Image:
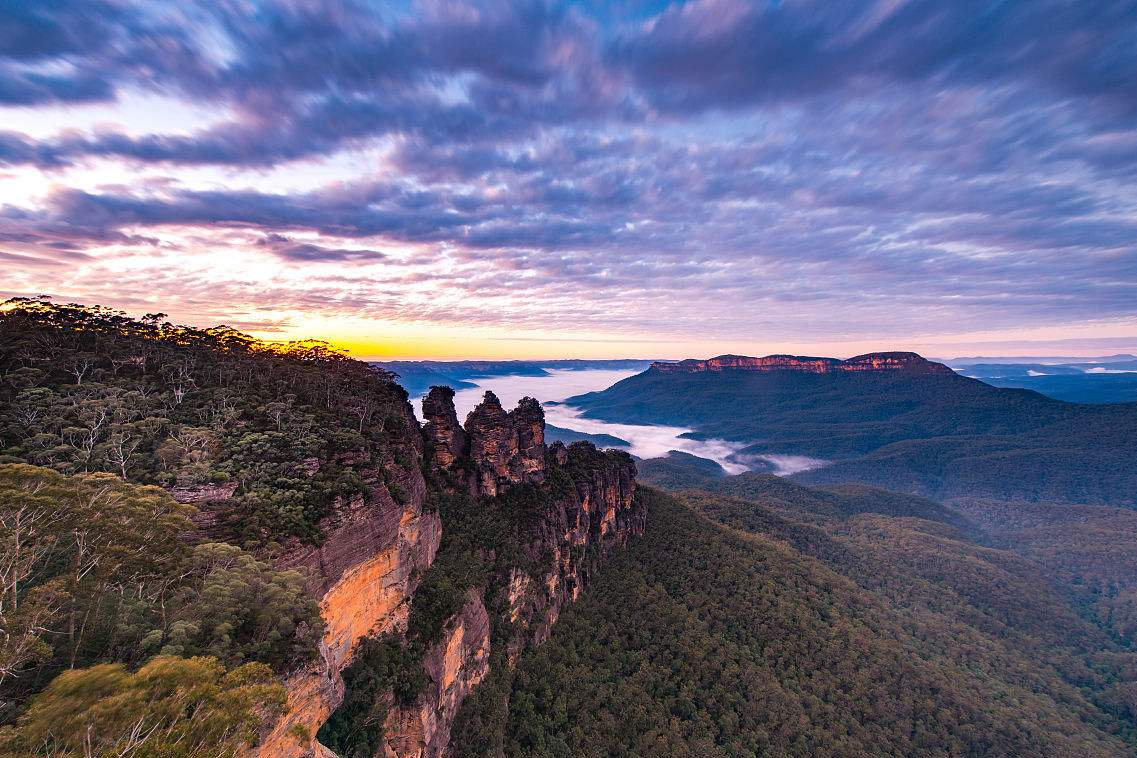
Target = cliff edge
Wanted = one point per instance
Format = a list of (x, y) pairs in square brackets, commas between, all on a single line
[(570, 506)]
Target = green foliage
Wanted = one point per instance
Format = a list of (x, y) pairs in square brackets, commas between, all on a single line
[(96, 565), (89, 389), (95, 569), (237, 609), (170, 708), (380, 665), (1088, 551), (79, 554), (678, 470), (854, 635)]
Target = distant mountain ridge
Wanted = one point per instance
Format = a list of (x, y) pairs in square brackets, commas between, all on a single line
[(1047, 359), (1105, 379), (910, 425), (888, 361), (416, 377)]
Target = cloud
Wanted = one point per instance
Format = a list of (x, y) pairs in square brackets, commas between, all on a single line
[(819, 167), (307, 252)]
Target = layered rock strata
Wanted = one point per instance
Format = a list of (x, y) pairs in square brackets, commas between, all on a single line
[(591, 510), (502, 448), (378, 548), (365, 570)]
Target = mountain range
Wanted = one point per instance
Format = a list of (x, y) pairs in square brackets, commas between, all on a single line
[(1103, 379), (894, 420), (416, 377)]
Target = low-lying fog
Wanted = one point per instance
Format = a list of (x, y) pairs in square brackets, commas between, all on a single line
[(645, 441)]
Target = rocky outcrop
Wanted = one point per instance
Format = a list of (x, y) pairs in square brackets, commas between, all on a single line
[(371, 598), (493, 444), (895, 361), (528, 419), (455, 666), (374, 554), (595, 514), (446, 438), (378, 548), (891, 361), (506, 448), (203, 493), (588, 509)]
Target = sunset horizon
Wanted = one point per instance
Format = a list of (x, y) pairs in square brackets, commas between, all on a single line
[(649, 179)]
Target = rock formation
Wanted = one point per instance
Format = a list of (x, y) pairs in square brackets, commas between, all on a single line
[(493, 444), (364, 571), (447, 439), (505, 448), (456, 665), (892, 361), (529, 421), (378, 548), (593, 512), (597, 515)]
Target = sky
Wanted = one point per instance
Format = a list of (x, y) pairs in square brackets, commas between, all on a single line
[(584, 179)]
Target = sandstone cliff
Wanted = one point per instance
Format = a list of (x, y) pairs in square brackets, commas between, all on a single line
[(891, 361), (378, 548), (374, 553), (585, 508)]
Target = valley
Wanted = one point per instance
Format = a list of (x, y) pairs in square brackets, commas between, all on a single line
[(379, 575), (906, 424)]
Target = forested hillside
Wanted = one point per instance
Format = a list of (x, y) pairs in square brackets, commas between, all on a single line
[(201, 533), (936, 434), (102, 569), (858, 635)]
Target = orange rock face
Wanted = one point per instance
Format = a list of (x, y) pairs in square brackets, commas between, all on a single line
[(369, 598), (377, 550), (455, 665), (374, 554)]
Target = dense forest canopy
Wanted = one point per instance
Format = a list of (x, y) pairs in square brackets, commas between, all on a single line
[(859, 635), (86, 389)]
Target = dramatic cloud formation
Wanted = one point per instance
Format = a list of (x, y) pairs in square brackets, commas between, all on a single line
[(663, 178)]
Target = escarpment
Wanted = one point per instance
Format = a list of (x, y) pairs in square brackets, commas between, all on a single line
[(377, 546), (889, 361), (553, 514)]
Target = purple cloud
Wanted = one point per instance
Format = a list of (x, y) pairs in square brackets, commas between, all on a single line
[(969, 161)]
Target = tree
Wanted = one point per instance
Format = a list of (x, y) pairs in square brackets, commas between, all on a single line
[(238, 609), (29, 532), (73, 551), (169, 708)]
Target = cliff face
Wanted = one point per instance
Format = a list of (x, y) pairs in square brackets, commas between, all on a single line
[(597, 512), (364, 571), (503, 448), (892, 361), (456, 665), (378, 548), (447, 439), (587, 509)]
